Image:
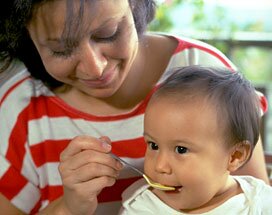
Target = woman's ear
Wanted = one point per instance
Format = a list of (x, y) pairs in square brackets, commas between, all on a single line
[(239, 155)]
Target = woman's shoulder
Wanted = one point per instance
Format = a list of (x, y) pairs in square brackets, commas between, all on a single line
[(14, 68), (161, 42), (182, 42), (17, 84), (189, 51)]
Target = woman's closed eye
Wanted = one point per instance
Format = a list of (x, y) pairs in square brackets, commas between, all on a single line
[(181, 150), (106, 35), (63, 54)]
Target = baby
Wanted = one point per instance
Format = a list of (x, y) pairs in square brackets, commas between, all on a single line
[(201, 125)]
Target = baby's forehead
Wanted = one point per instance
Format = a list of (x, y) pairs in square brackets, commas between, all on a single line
[(195, 100), (181, 96)]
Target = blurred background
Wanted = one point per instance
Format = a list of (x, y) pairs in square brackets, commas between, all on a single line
[(241, 29)]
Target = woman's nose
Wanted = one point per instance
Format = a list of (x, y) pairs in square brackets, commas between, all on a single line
[(162, 164), (92, 62)]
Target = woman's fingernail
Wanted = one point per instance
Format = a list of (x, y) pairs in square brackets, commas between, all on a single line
[(105, 145), (119, 165)]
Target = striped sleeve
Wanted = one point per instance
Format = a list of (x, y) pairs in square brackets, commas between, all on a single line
[(14, 152)]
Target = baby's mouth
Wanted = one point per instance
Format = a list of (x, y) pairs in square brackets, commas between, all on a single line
[(176, 190)]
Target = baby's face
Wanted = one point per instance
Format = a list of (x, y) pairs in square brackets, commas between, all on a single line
[(185, 147)]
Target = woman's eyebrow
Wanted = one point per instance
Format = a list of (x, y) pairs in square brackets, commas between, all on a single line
[(112, 19), (72, 42), (68, 43)]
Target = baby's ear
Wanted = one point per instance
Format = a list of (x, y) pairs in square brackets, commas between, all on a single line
[(239, 155)]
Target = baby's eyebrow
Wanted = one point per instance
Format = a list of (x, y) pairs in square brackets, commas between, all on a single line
[(185, 142), (147, 135)]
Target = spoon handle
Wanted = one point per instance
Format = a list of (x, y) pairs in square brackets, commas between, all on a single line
[(128, 164)]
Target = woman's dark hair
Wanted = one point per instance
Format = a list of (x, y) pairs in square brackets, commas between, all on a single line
[(15, 41), (234, 97)]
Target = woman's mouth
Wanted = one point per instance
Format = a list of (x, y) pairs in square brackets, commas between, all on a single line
[(100, 82)]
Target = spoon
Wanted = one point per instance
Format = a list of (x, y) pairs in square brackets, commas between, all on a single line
[(148, 180)]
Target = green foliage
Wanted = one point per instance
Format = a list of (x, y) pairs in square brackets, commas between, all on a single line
[(254, 62), (163, 21)]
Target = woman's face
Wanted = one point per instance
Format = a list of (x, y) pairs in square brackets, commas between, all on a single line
[(186, 149), (98, 62)]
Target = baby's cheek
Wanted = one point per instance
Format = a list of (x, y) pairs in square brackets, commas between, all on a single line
[(148, 164)]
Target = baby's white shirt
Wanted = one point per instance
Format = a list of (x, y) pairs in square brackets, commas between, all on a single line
[(256, 199)]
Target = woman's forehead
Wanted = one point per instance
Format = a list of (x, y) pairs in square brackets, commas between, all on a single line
[(92, 10), (68, 18)]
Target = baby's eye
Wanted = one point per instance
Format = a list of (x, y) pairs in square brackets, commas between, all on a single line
[(181, 150), (152, 145)]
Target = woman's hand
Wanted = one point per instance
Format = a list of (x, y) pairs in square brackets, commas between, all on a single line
[(85, 169)]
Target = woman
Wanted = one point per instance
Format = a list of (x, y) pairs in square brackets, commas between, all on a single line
[(90, 72)]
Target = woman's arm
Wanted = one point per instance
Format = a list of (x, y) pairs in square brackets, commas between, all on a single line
[(256, 165), (85, 168)]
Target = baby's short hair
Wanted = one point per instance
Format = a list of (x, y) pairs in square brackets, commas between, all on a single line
[(234, 97)]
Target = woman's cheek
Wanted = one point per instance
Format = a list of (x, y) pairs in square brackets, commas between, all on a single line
[(59, 69)]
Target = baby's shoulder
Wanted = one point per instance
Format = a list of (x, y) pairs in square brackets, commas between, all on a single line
[(257, 192), (134, 190)]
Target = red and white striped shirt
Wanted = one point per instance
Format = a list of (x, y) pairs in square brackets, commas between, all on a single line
[(35, 126)]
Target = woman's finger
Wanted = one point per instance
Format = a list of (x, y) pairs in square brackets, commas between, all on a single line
[(81, 143), (89, 172), (90, 189), (90, 156)]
